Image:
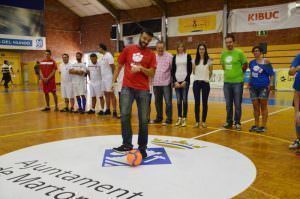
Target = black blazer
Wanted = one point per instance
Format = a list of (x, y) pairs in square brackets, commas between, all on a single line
[(188, 68)]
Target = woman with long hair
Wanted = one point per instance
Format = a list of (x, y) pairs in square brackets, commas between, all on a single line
[(181, 72), (202, 70)]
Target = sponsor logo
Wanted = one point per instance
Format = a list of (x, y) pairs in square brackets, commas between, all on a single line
[(156, 156), (181, 144), (39, 43), (260, 16)]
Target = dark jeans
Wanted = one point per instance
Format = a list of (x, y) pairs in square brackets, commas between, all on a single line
[(233, 93), (161, 92), (182, 100), (128, 95), (198, 87)]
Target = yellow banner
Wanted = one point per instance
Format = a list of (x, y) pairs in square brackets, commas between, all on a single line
[(197, 24), (283, 80)]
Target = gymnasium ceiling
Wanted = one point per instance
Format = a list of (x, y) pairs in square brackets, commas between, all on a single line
[(85, 8)]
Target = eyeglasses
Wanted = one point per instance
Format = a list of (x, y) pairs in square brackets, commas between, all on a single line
[(201, 48)]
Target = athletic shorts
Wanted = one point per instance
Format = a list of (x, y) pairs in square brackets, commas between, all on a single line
[(79, 88), (50, 86), (6, 77), (107, 84), (259, 93), (96, 90), (67, 90)]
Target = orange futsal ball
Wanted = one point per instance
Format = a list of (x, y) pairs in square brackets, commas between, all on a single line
[(134, 158)]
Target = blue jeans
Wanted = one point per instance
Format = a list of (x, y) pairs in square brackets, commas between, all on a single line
[(182, 100), (128, 95), (233, 93), (201, 88), (161, 92)]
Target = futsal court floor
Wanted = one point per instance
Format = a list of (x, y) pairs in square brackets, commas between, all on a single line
[(22, 124)]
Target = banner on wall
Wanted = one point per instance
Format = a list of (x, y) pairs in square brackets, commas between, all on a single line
[(196, 24), (22, 42), (22, 25), (283, 80), (274, 17)]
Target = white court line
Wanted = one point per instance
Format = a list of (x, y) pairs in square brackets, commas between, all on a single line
[(243, 122), (21, 112), (272, 113), (264, 193)]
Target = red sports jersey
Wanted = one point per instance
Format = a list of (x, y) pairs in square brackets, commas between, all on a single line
[(46, 67), (132, 55)]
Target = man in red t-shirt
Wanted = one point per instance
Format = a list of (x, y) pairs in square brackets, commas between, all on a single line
[(47, 74), (140, 64)]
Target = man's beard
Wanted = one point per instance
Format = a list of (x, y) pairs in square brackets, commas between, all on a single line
[(143, 44)]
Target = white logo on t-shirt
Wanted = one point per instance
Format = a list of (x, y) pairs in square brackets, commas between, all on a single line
[(137, 58), (228, 59), (256, 71)]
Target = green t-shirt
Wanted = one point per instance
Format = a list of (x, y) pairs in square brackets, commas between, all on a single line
[(232, 61)]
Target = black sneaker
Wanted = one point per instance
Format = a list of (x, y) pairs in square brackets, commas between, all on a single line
[(144, 153), (157, 121), (77, 111), (167, 122), (71, 110), (82, 111), (66, 109), (100, 113), (91, 112), (227, 125), (261, 130), (46, 109), (253, 129), (107, 112), (295, 144), (122, 149), (115, 115)]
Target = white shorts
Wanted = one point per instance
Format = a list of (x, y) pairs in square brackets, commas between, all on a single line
[(79, 88), (107, 84), (67, 90), (96, 90)]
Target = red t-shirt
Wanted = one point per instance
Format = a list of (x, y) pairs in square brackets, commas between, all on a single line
[(47, 66), (135, 55)]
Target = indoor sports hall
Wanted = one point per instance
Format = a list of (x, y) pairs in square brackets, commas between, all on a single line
[(209, 89)]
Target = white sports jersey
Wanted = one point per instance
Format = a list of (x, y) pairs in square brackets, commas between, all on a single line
[(95, 72), (105, 62), (6, 68), (79, 67), (64, 73)]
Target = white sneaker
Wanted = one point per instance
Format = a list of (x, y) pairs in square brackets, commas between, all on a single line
[(295, 145), (178, 122), (238, 127), (196, 125), (203, 125), (183, 123)]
